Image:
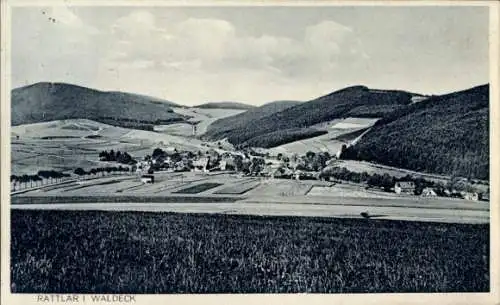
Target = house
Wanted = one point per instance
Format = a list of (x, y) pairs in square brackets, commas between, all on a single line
[(147, 179), (473, 196), (201, 164), (428, 192), (282, 172), (305, 175), (213, 154), (227, 162), (404, 187), (485, 196)]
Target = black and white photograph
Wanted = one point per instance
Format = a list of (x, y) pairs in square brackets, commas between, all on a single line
[(247, 149)]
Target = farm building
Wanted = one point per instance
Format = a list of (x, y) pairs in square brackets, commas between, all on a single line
[(227, 162), (485, 196), (201, 164), (404, 187), (147, 179), (473, 196), (428, 192), (305, 175)]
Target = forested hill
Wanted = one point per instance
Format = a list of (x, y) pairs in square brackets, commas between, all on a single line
[(446, 134), (225, 126), (43, 102), (345, 102)]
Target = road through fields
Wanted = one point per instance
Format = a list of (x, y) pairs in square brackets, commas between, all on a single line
[(282, 209)]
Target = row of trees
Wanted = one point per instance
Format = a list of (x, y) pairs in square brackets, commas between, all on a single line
[(48, 176), (387, 181), (101, 170), (120, 157)]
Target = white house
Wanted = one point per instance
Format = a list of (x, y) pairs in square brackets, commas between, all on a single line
[(147, 179), (404, 187), (201, 164), (428, 192), (473, 196)]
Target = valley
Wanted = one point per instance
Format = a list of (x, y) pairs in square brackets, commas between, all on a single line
[(308, 171)]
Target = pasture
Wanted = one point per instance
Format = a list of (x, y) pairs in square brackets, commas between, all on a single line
[(143, 252), (350, 191), (340, 132), (68, 144)]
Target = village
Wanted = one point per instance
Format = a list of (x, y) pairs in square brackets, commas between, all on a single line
[(311, 166)]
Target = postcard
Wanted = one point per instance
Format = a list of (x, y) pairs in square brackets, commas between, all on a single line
[(250, 152)]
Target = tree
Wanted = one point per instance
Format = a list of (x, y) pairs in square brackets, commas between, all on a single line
[(24, 179), (112, 156), (124, 158), (256, 165), (15, 179), (374, 180), (310, 155), (79, 171), (158, 152), (387, 182)]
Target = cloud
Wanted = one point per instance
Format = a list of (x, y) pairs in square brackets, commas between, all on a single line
[(51, 44), (142, 52), (214, 57)]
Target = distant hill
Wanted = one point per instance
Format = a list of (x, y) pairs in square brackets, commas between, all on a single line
[(44, 101), (225, 105), (151, 98), (338, 104), (224, 127), (446, 134)]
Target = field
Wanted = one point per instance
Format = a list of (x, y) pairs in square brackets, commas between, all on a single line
[(281, 187), (239, 188), (123, 252), (343, 190), (166, 183), (68, 144), (340, 132), (195, 189)]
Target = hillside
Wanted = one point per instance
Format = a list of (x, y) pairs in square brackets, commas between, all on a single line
[(224, 127), (225, 105), (42, 102), (446, 134), (339, 104)]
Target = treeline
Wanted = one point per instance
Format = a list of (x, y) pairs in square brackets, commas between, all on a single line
[(281, 137), (440, 135), (101, 170), (120, 157), (374, 111)]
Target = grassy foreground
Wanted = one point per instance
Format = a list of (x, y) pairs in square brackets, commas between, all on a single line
[(141, 252)]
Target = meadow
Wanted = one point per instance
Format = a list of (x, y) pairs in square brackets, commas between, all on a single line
[(141, 252)]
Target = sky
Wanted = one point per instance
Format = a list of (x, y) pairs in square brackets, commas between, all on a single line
[(193, 55)]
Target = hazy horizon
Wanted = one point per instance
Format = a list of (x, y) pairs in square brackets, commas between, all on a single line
[(254, 55)]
